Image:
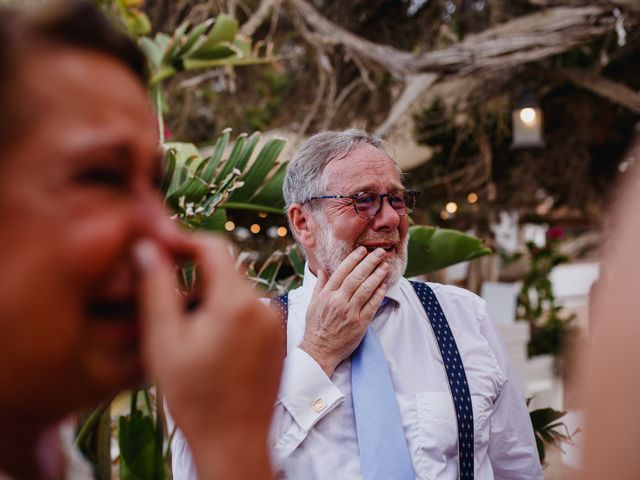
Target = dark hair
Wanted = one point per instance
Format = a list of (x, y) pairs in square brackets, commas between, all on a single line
[(76, 23)]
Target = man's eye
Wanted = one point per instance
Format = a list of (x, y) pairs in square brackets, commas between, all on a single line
[(397, 199), (102, 176), (365, 199)]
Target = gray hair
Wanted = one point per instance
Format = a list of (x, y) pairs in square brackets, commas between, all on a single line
[(305, 174)]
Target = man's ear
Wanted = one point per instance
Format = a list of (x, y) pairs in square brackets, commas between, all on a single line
[(303, 225)]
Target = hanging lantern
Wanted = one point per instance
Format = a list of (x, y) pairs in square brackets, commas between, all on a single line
[(527, 123)]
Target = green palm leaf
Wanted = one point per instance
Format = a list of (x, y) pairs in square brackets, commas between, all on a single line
[(257, 173)]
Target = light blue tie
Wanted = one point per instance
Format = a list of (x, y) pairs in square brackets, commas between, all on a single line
[(384, 454)]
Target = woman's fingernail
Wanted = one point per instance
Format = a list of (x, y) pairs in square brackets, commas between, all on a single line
[(145, 253)]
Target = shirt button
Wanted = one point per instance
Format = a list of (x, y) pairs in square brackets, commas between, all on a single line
[(319, 405)]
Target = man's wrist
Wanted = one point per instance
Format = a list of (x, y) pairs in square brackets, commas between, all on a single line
[(326, 363)]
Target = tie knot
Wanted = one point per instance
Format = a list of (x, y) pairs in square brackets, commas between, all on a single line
[(385, 301)]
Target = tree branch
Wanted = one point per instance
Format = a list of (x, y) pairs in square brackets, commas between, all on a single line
[(250, 26), (614, 91), (413, 88)]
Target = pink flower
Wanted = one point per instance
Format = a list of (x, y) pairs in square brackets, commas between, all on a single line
[(555, 233)]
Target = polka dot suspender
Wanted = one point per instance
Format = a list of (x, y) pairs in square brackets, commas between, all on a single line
[(455, 374)]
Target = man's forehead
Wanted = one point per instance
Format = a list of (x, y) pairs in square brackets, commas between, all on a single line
[(365, 168)]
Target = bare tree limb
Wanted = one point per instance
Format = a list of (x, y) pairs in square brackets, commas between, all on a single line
[(250, 26), (339, 100), (614, 91), (413, 88), (324, 68), (524, 39)]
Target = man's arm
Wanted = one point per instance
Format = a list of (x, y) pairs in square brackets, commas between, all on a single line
[(512, 447), (338, 316)]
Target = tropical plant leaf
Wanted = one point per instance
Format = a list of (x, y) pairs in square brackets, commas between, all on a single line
[(270, 268), (169, 170), (247, 151), (223, 30), (176, 42), (94, 440), (545, 427), (140, 455), (243, 44), (432, 248), (234, 157), (214, 222), (296, 260), (214, 160), (152, 51), (195, 37), (162, 40), (258, 171), (543, 417), (269, 197), (186, 159)]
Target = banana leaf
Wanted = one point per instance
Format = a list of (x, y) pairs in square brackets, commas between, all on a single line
[(140, 453), (432, 248)]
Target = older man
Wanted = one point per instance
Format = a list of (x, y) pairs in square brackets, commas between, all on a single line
[(358, 330), (384, 379)]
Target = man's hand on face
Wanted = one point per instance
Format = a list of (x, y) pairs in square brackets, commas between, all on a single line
[(218, 364), (342, 307)]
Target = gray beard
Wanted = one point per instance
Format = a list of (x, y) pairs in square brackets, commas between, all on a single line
[(331, 251)]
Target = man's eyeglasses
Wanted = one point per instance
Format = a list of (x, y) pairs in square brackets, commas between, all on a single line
[(369, 204)]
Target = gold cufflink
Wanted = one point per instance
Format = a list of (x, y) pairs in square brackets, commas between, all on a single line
[(319, 405)]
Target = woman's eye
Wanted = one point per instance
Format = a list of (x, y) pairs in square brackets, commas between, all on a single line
[(102, 176)]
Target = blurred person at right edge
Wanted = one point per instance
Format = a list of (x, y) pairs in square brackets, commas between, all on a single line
[(611, 386)]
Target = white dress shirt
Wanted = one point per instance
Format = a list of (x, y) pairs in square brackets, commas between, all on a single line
[(313, 433)]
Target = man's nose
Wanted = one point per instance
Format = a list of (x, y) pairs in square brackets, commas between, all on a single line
[(387, 218)]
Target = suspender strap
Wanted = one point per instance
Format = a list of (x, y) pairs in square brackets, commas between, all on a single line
[(455, 374), (281, 304)]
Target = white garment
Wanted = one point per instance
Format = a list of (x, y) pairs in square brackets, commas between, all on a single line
[(313, 433)]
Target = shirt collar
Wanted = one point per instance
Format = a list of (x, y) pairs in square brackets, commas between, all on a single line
[(309, 284)]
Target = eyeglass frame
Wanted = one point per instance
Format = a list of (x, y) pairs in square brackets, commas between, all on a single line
[(381, 195)]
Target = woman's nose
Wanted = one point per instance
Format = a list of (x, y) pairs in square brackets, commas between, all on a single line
[(155, 222)]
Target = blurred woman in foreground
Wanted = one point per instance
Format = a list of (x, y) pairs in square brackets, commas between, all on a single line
[(612, 373), (88, 301)]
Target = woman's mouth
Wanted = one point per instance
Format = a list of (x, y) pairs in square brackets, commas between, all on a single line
[(113, 311), (116, 321)]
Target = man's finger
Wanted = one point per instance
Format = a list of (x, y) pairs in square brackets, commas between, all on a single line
[(345, 268), (321, 282), (373, 304), (367, 288), (362, 271)]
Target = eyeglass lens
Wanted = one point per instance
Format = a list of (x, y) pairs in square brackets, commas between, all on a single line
[(368, 204)]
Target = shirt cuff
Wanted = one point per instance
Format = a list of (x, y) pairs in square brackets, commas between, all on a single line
[(306, 390)]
